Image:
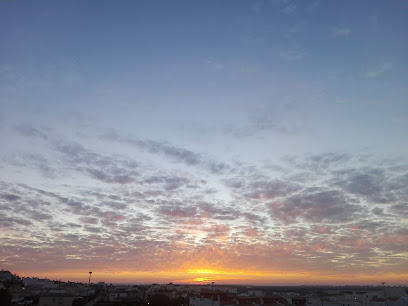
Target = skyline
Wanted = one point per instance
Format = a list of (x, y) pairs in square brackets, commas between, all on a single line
[(241, 142)]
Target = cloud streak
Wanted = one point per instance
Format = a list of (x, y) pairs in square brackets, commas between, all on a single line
[(340, 32), (378, 71)]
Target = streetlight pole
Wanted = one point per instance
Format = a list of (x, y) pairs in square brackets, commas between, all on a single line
[(89, 284), (385, 293), (212, 293)]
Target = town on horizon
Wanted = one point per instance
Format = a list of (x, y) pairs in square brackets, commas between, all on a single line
[(16, 290), (206, 277)]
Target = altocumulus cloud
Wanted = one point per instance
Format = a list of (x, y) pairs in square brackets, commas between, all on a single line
[(202, 208)]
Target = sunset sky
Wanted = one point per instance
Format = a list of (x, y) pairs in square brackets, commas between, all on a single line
[(245, 142)]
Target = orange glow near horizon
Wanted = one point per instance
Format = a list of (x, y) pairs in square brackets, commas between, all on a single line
[(203, 271), (206, 276)]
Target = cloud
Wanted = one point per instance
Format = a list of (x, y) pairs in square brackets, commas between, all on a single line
[(175, 153), (218, 167), (73, 151), (388, 242), (103, 168), (384, 184), (370, 183), (35, 160), (216, 65), (401, 210), (378, 211), (169, 183), (266, 121), (322, 230), (317, 227), (218, 212), (11, 221), (37, 215), (316, 206), (375, 73), (111, 216), (314, 5), (289, 9), (23, 210), (279, 2), (293, 30), (31, 132), (76, 157), (320, 162), (10, 197), (254, 218), (257, 7), (269, 121), (177, 210), (89, 220), (293, 54), (327, 210), (270, 189), (340, 32), (325, 159), (262, 189), (119, 175)]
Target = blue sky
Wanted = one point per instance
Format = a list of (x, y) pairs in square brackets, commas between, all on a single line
[(232, 125)]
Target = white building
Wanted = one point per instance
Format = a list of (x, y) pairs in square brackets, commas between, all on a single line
[(200, 301), (56, 298)]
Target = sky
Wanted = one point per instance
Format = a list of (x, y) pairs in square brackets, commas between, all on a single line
[(240, 142)]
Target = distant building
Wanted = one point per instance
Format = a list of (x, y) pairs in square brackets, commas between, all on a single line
[(393, 292), (257, 293), (202, 301), (56, 298), (38, 282), (213, 298)]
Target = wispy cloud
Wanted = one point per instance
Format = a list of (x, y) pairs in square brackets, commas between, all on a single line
[(340, 32), (313, 5), (295, 29), (215, 64), (289, 9), (293, 54), (30, 131), (285, 6), (257, 7), (263, 123), (379, 70)]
